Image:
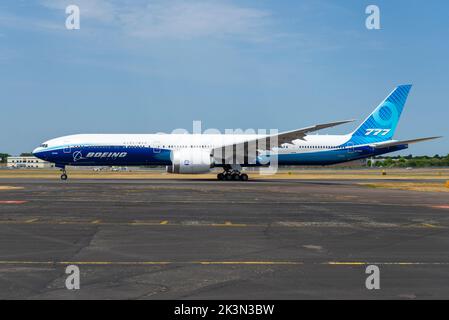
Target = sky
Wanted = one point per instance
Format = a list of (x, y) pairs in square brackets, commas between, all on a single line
[(146, 66)]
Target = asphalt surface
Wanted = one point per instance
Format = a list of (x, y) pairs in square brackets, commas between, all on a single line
[(199, 239)]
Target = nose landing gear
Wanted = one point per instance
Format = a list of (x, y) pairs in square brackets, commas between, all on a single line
[(63, 175)]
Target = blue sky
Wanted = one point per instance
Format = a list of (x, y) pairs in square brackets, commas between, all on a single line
[(143, 66)]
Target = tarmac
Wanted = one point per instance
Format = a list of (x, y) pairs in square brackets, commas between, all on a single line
[(205, 239)]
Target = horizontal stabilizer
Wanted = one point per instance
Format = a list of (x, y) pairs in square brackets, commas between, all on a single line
[(392, 143)]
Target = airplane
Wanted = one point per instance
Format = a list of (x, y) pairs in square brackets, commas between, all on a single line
[(199, 153)]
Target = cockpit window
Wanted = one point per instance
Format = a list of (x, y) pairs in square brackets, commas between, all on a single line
[(44, 145)]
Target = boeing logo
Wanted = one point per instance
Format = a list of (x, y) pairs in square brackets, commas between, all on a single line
[(106, 154), (77, 155)]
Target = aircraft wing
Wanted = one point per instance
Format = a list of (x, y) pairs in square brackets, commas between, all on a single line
[(392, 143), (289, 136), (282, 137)]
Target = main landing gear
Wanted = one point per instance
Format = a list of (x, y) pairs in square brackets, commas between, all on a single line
[(232, 175)]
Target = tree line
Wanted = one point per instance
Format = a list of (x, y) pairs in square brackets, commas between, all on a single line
[(410, 161)]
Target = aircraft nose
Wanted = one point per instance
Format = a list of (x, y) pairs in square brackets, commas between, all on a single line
[(37, 152)]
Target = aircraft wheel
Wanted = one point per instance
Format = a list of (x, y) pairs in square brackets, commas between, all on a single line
[(244, 177), (63, 176), (228, 177), (235, 176), (220, 176)]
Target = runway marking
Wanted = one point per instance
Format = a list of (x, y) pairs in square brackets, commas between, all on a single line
[(85, 262), (249, 263), (13, 201), (357, 263), (141, 223), (228, 224), (441, 207), (132, 263), (10, 188), (429, 225), (273, 224), (284, 202), (206, 263), (345, 263)]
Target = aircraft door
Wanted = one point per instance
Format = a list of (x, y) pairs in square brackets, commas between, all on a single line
[(156, 147), (350, 147), (67, 147)]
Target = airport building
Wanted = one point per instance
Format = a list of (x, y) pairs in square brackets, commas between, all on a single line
[(28, 162)]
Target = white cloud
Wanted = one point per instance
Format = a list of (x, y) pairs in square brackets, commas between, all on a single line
[(172, 18), (194, 19), (26, 23)]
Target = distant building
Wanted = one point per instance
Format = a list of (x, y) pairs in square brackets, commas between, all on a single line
[(28, 162)]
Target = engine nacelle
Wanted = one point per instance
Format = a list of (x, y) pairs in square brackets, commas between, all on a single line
[(190, 161)]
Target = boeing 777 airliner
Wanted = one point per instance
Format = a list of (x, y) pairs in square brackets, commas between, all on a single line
[(199, 153)]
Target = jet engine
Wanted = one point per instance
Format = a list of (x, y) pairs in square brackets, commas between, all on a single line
[(190, 161)]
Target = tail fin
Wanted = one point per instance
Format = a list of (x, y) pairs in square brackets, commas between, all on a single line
[(381, 123)]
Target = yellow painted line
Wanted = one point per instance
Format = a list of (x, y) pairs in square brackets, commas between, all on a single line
[(114, 262), (281, 224), (85, 262), (27, 262), (336, 263), (349, 263), (104, 263), (227, 224), (10, 188), (428, 225), (143, 223), (250, 263)]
